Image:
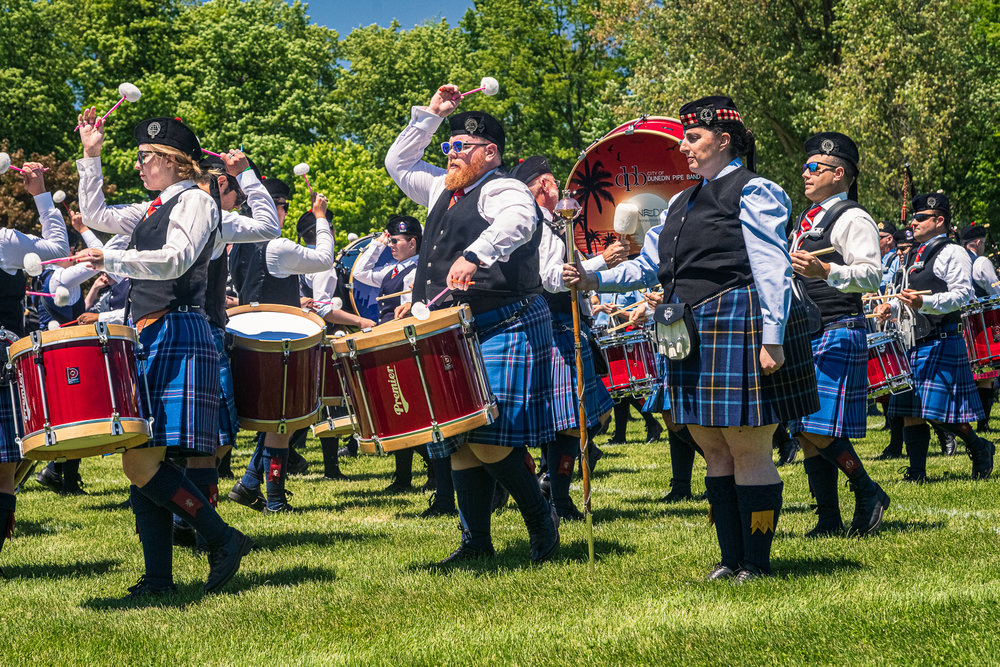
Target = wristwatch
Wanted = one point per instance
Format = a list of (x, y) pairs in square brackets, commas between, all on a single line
[(470, 256)]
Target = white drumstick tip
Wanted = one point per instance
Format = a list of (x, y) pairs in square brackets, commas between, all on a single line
[(61, 297), (4, 163), (129, 92), (53, 325), (337, 303), (32, 264), (490, 85), (626, 218), (58, 196), (420, 310), (301, 169), (352, 237)]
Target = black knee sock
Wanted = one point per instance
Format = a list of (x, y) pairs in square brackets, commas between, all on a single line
[(444, 491), (8, 503), (331, 456), (474, 488), (822, 476), (760, 507), (276, 470), (404, 467), (171, 489), (562, 455), (681, 460), (71, 474), (296, 442), (840, 452), (516, 473), (724, 512), (918, 440), (207, 481), (621, 419), (224, 465), (352, 446), (154, 523), (896, 434)]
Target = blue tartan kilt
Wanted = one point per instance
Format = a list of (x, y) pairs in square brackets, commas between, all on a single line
[(229, 424), (565, 406), (841, 360), (720, 383), (943, 387), (516, 342), (182, 374), (659, 400), (10, 421)]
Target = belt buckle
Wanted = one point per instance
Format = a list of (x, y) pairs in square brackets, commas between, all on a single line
[(183, 309)]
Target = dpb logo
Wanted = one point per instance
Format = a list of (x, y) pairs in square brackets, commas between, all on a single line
[(629, 180)]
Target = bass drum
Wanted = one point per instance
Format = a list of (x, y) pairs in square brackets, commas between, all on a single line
[(640, 163), (361, 296)]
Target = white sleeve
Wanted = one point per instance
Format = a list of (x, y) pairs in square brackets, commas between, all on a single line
[(120, 219), (507, 205), (364, 268), (551, 257), (984, 275), (112, 316), (286, 258), (418, 180), (324, 287), (855, 237), (14, 245), (78, 274), (954, 266), (263, 226)]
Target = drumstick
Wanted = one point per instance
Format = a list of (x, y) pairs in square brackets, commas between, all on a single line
[(627, 308), (71, 322), (821, 251), (879, 297), (621, 326), (389, 296)]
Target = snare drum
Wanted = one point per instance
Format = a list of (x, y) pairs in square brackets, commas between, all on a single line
[(410, 382), (630, 360), (981, 329), (888, 365), (275, 354), (78, 392), (331, 387)]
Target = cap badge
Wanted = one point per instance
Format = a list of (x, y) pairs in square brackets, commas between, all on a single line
[(827, 145), (153, 129), (706, 114), (932, 202), (471, 125)]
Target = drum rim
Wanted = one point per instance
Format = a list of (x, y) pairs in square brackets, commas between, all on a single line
[(481, 417), (392, 334), (65, 335), (133, 427), (258, 345)]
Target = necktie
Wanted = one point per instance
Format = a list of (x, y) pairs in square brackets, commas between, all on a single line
[(810, 216), (455, 197), (153, 205), (394, 273)]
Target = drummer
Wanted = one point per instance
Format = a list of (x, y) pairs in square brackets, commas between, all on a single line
[(481, 228), (167, 263), (562, 453), (984, 284), (944, 390), (14, 245), (887, 249), (834, 280)]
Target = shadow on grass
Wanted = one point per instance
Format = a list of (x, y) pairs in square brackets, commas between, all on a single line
[(515, 557), (293, 539), (60, 570), (28, 528), (111, 505), (899, 526), (368, 502), (805, 567)]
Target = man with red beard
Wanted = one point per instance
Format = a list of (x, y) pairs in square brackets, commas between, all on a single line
[(481, 242)]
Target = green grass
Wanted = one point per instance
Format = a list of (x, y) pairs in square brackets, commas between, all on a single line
[(346, 582)]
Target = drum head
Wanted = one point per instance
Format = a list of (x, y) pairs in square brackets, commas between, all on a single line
[(640, 163), (272, 326), (362, 296)]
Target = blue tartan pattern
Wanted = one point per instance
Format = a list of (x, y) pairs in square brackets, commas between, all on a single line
[(720, 384), (182, 373), (229, 424), (10, 452), (943, 388), (565, 407), (517, 356), (841, 360), (659, 400)]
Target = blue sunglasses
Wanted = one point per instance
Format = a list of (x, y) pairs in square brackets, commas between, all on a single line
[(457, 146)]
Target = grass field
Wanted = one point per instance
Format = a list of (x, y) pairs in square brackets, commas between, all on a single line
[(346, 580)]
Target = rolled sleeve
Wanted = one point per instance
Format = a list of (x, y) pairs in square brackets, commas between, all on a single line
[(764, 210)]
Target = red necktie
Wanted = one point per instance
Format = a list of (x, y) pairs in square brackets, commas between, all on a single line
[(395, 271), (455, 197), (810, 215), (155, 204)]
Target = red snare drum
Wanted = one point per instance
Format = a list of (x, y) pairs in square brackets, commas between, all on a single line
[(410, 381), (79, 392), (888, 366), (639, 162), (631, 362), (275, 354), (981, 329)]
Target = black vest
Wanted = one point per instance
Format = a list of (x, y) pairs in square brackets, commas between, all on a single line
[(254, 283), (149, 296), (387, 307), (448, 232), (701, 248), (980, 291), (833, 304), (215, 296), (920, 276), (12, 289)]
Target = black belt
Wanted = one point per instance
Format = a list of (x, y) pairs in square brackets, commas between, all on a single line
[(857, 323), (944, 331)]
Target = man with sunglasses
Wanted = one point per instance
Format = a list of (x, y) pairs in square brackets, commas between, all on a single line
[(834, 280), (481, 247), (984, 284), (944, 391)]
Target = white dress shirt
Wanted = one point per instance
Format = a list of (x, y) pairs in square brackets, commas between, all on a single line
[(954, 266), (285, 257), (984, 275), (14, 245), (855, 237), (366, 273)]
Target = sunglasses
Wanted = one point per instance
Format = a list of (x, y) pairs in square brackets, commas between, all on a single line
[(457, 146), (143, 155), (921, 217), (282, 205), (813, 167)]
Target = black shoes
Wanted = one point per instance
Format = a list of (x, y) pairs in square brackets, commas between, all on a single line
[(949, 445), (787, 451), (827, 529), (225, 560), (184, 535), (678, 493), (253, 499), (399, 487), (143, 589), (298, 467), (434, 508), (50, 480), (982, 459), (653, 433), (545, 542), (567, 511), (890, 453), (335, 476), (869, 505), (464, 554), (748, 573), (283, 508), (345, 452), (915, 476), (720, 572)]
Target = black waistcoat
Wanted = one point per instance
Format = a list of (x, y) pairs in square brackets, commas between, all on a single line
[(188, 289), (920, 276), (12, 289), (387, 307), (215, 296), (980, 292), (702, 252), (833, 304), (448, 232), (254, 283)]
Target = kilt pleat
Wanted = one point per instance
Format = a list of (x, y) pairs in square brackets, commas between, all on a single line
[(720, 384), (943, 388), (10, 452), (229, 424), (182, 373), (564, 400), (659, 400), (841, 360)]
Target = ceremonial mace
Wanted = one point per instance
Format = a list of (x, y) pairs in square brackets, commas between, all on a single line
[(568, 208)]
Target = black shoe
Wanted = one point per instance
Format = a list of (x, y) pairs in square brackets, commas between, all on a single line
[(283, 508), (464, 554), (225, 560), (869, 505), (434, 508), (345, 452), (653, 433), (787, 451), (748, 573), (335, 476), (500, 498), (982, 459), (398, 487), (915, 476), (298, 467), (429, 486), (594, 454), (545, 484), (142, 589), (890, 453), (678, 493), (251, 498), (720, 572), (545, 543), (617, 440), (949, 445), (567, 511), (51, 480), (73, 487), (184, 535), (827, 529)]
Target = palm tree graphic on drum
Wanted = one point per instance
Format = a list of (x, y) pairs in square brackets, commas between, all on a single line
[(593, 182)]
